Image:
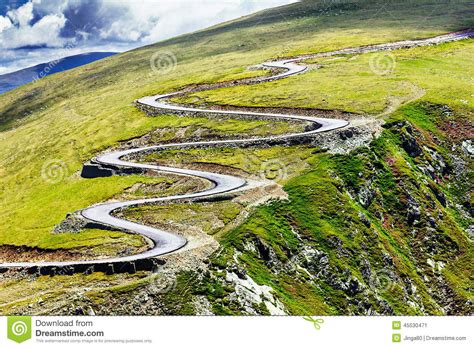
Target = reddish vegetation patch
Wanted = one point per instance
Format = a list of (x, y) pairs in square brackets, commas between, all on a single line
[(458, 129), (386, 225), (390, 161)]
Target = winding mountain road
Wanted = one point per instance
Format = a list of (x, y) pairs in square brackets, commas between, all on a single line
[(165, 242)]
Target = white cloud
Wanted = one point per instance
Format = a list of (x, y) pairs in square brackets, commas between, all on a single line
[(5, 23), (45, 32), (120, 31), (118, 24), (153, 20), (22, 15), (134, 21), (17, 31)]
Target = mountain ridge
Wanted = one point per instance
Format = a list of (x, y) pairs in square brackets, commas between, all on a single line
[(15, 79)]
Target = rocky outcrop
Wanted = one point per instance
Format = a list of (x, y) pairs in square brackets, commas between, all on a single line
[(93, 169)]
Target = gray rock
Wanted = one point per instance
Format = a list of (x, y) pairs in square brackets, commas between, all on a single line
[(467, 147), (410, 145), (413, 211), (364, 219)]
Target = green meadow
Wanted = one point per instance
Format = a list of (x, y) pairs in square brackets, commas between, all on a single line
[(49, 128)]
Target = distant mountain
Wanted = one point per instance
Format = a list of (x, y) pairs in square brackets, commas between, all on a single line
[(21, 77)]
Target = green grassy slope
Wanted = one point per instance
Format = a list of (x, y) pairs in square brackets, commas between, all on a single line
[(388, 221), (51, 127), (353, 83), (71, 116), (378, 256)]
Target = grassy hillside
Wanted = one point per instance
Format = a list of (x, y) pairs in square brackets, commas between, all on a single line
[(330, 250), (50, 128), (349, 83)]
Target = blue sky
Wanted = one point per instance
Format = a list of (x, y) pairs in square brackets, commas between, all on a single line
[(38, 31)]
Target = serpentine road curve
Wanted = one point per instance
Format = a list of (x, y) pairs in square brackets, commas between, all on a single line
[(165, 242)]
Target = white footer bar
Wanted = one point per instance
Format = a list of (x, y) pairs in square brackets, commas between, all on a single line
[(236, 331)]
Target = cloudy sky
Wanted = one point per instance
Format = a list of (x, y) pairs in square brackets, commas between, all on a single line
[(38, 31)]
